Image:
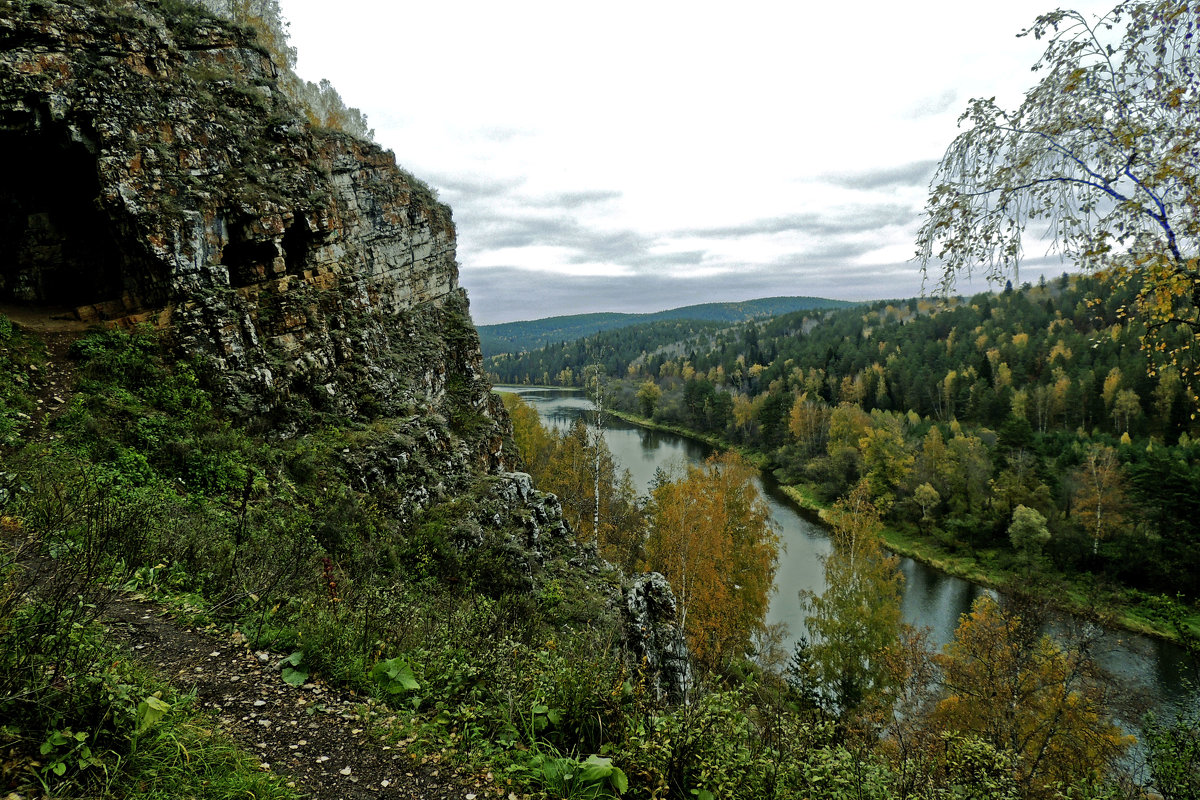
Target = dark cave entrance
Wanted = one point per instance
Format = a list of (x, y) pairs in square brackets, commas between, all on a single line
[(59, 252), (249, 260), (253, 259), (297, 241)]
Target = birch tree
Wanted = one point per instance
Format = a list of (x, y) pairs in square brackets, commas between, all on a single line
[(1099, 499), (1104, 151), (857, 619)]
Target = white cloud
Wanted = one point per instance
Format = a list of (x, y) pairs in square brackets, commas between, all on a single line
[(667, 144)]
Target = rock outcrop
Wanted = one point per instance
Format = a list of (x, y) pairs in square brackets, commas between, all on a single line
[(655, 636), (159, 175)]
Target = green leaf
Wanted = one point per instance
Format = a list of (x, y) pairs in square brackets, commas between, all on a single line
[(150, 712), (619, 781), (400, 672), (395, 676), (294, 677), (596, 769)]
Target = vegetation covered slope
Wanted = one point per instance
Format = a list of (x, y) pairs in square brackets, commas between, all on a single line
[(518, 337), (140, 482), (1002, 687), (474, 625)]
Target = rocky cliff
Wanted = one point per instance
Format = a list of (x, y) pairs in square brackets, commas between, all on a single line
[(159, 175)]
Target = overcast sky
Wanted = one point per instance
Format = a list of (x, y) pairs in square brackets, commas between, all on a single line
[(625, 156)]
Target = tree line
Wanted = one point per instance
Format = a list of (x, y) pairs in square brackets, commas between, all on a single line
[(957, 413)]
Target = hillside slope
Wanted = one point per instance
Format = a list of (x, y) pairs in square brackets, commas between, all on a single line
[(517, 337)]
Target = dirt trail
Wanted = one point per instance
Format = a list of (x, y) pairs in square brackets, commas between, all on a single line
[(312, 734), (45, 319), (52, 382)]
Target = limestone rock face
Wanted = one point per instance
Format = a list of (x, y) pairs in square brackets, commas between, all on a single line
[(157, 174), (655, 635)]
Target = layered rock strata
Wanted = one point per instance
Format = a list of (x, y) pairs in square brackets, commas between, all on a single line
[(159, 175)]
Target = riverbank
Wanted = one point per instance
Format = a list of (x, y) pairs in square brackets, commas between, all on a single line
[(712, 440), (1125, 608)]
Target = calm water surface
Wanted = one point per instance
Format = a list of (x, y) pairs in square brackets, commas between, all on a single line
[(932, 599)]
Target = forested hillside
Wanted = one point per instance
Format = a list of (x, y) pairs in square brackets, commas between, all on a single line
[(519, 337), (956, 414), (614, 350)]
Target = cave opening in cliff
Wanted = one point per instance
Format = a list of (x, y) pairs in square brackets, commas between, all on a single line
[(297, 240), (249, 260), (60, 255)]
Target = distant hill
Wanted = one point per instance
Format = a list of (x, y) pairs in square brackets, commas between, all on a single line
[(517, 337)]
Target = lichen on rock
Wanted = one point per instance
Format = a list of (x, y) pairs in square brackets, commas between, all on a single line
[(655, 637)]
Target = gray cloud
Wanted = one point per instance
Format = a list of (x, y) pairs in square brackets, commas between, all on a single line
[(678, 258), (494, 230), (866, 218), (504, 294), (917, 173), (497, 231), (840, 240), (853, 281), (494, 215), (575, 200), (615, 247), (835, 250), (472, 189)]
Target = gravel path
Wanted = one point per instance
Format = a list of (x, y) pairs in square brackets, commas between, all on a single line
[(312, 734)]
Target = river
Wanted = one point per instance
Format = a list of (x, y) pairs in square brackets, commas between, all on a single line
[(932, 599)]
